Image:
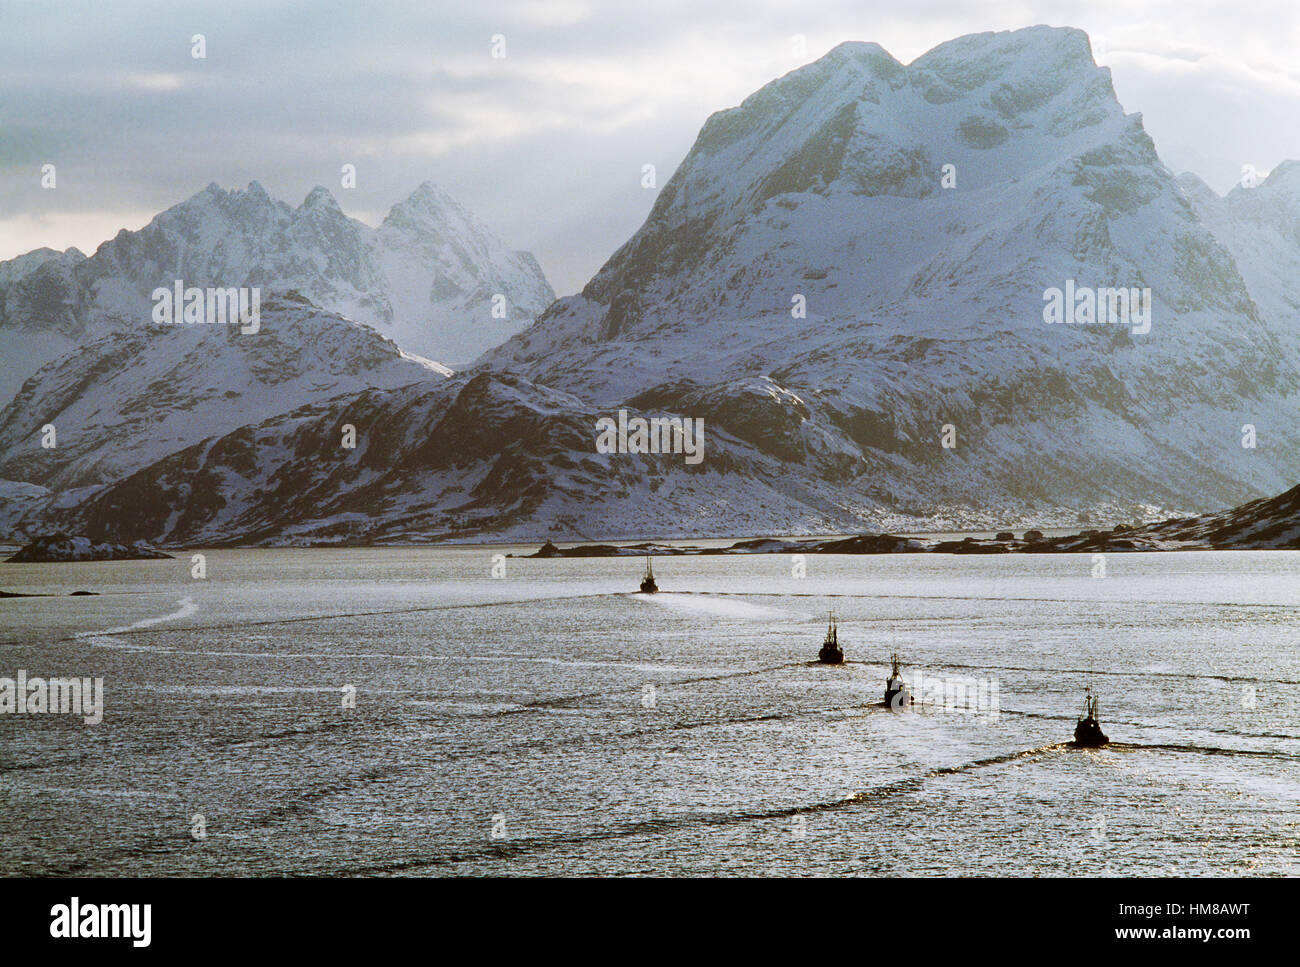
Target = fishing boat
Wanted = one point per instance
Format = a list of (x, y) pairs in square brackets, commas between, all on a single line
[(896, 691), (1088, 733), (831, 653), (648, 585)]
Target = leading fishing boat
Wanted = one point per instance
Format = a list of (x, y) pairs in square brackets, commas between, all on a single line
[(648, 585)]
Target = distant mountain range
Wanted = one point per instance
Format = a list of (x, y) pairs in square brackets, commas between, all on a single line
[(845, 279), (425, 277)]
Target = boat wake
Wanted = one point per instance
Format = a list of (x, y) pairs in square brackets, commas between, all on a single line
[(106, 639), (566, 700), (1201, 750), (676, 601), (143, 627), (877, 794)]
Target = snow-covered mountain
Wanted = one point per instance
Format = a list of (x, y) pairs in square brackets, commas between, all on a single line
[(425, 277), (126, 400), (442, 269), (925, 303)]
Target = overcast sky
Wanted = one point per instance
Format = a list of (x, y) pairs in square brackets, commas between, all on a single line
[(546, 144)]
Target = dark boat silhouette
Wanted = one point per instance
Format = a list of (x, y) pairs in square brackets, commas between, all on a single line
[(896, 692), (648, 585), (831, 653), (1088, 733)]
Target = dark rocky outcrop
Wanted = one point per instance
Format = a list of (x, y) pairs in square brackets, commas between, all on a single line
[(54, 548)]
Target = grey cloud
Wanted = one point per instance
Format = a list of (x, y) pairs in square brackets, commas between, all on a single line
[(541, 145)]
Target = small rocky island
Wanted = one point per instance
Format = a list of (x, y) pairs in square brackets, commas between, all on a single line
[(56, 548)]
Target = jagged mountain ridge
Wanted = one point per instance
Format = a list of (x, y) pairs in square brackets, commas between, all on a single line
[(425, 277)]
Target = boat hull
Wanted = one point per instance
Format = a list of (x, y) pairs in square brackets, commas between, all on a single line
[(1088, 735), (897, 698)]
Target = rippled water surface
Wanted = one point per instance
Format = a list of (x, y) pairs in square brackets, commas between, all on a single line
[(507, 726)]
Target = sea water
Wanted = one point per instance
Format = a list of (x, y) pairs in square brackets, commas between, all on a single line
[(401, 711)]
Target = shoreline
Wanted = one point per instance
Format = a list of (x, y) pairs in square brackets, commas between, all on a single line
[(860, 544)]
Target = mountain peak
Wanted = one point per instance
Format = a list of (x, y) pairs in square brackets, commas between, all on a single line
[(430, 207), (428, 195), (1015, 72), (428, 277), (1048, 47), (1000, 108), (214, 196), (320, 198), (864, 54)]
